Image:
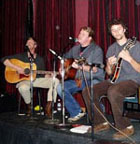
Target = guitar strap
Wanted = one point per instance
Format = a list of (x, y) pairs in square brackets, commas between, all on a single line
[(85, 54), (87, 51)]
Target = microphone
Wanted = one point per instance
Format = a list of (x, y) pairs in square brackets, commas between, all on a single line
[(28, 50), (54, 53), (73, 39), (96, 65)]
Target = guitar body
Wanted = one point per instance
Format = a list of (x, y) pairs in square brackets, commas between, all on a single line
[(70, 72), (116, 71), (12, 76), (117, 68)]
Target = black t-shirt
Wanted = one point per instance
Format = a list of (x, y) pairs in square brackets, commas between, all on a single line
[(82, 49), (24, 58)]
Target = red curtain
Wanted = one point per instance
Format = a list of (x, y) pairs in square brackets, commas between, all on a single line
[(13, 30), (101, 11), (54, 21)]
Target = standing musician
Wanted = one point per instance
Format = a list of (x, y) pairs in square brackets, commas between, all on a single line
[(92, 53), (40, 81), (125, 85)]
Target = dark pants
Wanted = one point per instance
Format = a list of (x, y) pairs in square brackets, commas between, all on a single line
[(115, 94)]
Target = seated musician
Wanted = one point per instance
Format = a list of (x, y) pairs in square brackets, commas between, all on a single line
[(92, 53), (40, 81), (126, 53)]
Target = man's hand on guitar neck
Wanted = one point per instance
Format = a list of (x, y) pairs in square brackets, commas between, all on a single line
[(124, 54)]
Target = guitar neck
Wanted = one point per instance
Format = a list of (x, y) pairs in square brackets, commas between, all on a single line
[(44, 72)]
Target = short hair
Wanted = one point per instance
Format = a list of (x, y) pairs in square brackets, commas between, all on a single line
[(89, 30), (116, 22), (31, 38)]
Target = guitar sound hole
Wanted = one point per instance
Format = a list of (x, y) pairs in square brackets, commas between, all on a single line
[(27, 71)]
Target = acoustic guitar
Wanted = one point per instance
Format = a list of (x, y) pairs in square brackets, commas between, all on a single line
[(117, 67), (12, 76), (70, 72)]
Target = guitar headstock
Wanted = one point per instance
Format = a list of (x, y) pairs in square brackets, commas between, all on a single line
[(131, 42), (81, 60)]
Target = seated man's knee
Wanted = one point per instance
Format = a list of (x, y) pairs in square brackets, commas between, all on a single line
[(59, 90), (23, 88), (57, 82), (112, 93)]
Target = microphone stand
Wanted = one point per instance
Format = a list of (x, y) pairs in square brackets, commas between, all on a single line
[(63, 93), (31, 83), (53, 84), (61, 125), (31, 58), (92, 104)]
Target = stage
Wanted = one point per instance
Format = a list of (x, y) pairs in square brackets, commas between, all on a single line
[(16, 129)]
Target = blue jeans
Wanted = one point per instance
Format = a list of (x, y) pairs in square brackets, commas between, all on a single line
[(70, 88)]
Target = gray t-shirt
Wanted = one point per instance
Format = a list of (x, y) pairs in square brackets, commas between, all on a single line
[(93, 54), (127, 72)]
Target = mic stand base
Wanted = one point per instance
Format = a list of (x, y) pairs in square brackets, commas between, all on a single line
[(32, 119), (63, 126), (51, 121)]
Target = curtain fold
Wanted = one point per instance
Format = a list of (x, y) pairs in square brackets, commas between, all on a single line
[(13, 30), (54, 21), (100, 12)]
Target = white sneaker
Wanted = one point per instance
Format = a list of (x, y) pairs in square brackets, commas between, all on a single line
[(77, 117)]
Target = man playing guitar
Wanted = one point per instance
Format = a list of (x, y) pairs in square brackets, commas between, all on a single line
[(91, 53), (125, 84), (40, 81)]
